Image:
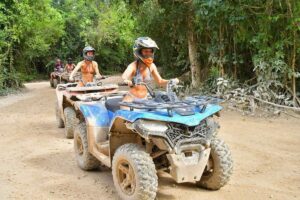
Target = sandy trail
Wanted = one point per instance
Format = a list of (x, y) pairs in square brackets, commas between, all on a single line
[(37, 162)]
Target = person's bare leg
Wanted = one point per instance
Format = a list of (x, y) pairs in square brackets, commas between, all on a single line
[(127, 98), (80, 84)]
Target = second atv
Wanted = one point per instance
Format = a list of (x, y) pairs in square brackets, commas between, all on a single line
[(68, 94)]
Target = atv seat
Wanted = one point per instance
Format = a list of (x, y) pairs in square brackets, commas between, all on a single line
[(113, 104)]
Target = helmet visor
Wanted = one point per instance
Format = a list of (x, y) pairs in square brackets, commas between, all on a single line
[(90, 53), (147, 53)]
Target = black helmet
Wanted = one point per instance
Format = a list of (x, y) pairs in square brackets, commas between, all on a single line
[(69, 60), (143, 43), (87, 49)]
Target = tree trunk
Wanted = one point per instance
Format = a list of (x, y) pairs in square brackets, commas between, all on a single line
[(235, 56), (193, 55), (293, 63), (293, 69), (221, 53)]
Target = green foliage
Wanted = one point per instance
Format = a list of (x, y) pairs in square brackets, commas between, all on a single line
[(30, 28), (113, 34), (165, 22), (243, 39), (246, 40)]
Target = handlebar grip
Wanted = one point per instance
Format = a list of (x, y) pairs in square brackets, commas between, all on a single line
[(122, 84)]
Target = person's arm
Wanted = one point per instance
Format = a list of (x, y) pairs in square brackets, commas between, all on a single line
[(78, 66), (66, 68), (98, 75), (158, 79), (55, 68), (127, 75)]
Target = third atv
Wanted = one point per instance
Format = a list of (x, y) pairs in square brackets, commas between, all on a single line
[(61, 77)]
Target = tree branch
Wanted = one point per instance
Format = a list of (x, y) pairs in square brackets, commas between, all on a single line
[(276, 105)]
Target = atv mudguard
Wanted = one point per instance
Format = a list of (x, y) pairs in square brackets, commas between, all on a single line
[(95, 114)]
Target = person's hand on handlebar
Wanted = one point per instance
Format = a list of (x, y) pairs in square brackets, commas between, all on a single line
[(174, 81), (128, 82), (71, 79), (98, 77)]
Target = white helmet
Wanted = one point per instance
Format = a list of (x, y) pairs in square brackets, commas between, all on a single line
[(143, 43)]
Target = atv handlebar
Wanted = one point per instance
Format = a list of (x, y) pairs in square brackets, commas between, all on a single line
[(103, 77), (171, 84), (122, 84), (149, 89), (97, 82)]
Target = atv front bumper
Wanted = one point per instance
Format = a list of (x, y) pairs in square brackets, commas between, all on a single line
[(188, 166)]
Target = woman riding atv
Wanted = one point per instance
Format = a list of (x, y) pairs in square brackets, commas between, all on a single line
[(88, 67), (69, 66), (142, 69)]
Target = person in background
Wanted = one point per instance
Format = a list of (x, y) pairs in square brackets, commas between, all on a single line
[(89, 68), (69, 66), (58, 67)]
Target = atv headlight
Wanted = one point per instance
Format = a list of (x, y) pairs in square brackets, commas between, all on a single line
[(148, 127)]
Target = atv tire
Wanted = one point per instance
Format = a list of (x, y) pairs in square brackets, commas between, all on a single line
[(134, 173), (51, 83), (221, 169), (70, 122), (84, 158), (55, 83), (213, 127), (59, 120)]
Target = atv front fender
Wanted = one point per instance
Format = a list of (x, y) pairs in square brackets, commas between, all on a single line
[(192, 120), (95, 114)]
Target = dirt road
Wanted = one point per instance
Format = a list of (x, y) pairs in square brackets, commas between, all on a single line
[(37, 162)]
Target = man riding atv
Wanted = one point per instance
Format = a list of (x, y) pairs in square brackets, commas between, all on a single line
[(88, 67), (142, 69), (69, 67)]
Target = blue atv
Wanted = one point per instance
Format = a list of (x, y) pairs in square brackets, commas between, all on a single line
[(162, 133)]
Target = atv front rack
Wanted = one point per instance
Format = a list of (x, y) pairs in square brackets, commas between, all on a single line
[(189, 103)]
